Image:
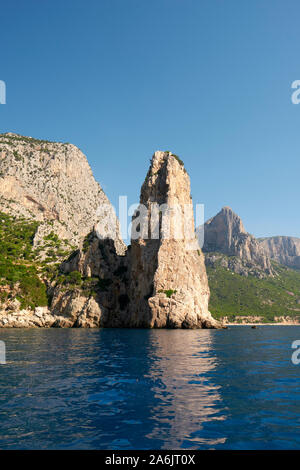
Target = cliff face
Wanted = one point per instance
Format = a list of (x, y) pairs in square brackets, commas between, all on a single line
[(284, 250), (49, 182), (168, 282), (225, 233), (100, 297), (49, 201), (160, 281)]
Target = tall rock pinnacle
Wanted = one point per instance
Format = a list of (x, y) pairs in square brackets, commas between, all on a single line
[(169, 286)]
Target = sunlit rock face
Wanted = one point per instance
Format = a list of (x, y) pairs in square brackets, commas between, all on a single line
[(52, 183), (169, 286), (284, 250)]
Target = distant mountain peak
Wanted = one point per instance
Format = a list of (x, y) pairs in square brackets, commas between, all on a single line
[(225, 233), (226, 220)]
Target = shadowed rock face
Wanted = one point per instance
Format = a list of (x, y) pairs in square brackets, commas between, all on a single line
[(225, 233), (108, 305), (284, 250), (168, 282)]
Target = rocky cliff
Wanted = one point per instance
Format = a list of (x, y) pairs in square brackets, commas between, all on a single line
[(225, 233), (168, 282), (47, 192), (284, 250), (98, 294), (160, 282), (49, 204), (51, 183)]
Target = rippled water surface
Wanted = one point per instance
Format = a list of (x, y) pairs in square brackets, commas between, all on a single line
[(143, 389)]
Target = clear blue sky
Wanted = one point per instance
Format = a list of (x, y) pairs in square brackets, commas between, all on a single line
[(208, 79)]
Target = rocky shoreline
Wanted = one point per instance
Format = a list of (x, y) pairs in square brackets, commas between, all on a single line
[(250, 321), (42, 317), (45, 319)]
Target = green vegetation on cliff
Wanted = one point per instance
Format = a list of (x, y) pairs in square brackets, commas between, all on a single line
[(236, 295), (18, 270), (23, 269)]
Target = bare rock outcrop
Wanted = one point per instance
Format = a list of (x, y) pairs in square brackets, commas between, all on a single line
[(100, 297), (168, 282), (72, 309), (52, 183), (225, 233), (283, 250)]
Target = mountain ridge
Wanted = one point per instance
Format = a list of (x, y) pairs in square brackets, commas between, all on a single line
[(283, 249)]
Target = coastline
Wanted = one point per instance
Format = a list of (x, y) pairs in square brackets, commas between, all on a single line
[(258, 320), (264, 324)]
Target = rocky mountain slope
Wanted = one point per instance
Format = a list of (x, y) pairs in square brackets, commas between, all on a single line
[(51, 183), (244, 299), (284, 250), (246, 284), (225, 234)]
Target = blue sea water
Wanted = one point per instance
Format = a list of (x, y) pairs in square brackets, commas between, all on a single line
[(150, 389)]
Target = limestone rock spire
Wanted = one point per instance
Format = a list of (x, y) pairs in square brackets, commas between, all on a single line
[(169, 286)]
